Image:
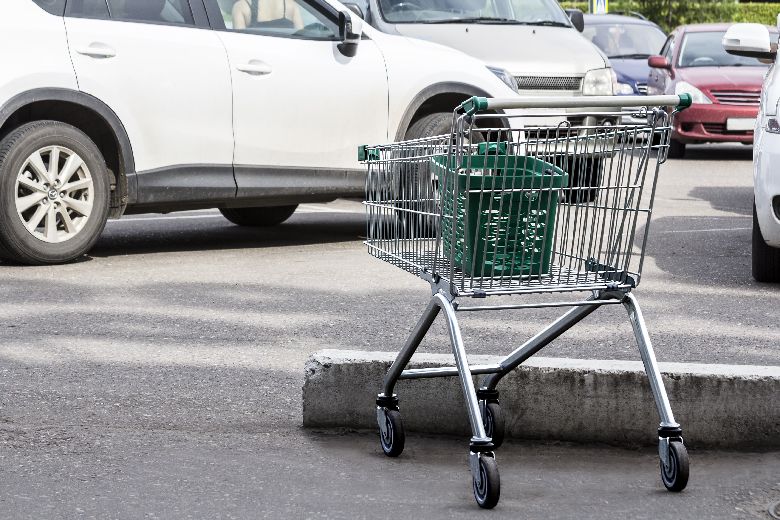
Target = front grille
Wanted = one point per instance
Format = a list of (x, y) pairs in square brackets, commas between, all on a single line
[(548, 82), (737, 97), (642, 88)]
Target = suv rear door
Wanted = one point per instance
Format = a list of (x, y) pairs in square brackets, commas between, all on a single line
[(300, 107), (158, 65)]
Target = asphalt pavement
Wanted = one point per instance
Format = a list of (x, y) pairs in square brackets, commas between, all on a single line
[(160, 377)]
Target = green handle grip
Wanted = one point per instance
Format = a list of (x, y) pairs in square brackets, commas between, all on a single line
[(686, 100), (473, 105)]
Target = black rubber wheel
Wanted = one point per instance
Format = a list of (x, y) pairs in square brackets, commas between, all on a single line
[(676, 149), (56, 169), (395, 438), (494, 423), (259, 217), (675, 477), (488, 490), (765, 258)]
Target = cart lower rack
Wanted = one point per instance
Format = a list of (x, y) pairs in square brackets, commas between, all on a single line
[(518, 204)]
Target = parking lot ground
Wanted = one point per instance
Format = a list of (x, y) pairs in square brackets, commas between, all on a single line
[(162, 375)]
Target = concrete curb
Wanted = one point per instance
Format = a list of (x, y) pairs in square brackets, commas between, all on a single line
[(725, 406)]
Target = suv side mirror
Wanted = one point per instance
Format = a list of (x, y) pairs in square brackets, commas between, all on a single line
[(577, 19), (350, 32), (355, 9), (659, 62), (749, 39)]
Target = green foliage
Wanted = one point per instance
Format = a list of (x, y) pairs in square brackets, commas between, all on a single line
[(671, 13)]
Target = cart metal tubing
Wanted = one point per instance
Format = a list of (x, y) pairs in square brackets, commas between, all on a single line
[(535, 305), (648, 359), (541, 340), (420, 373), (410, 347)]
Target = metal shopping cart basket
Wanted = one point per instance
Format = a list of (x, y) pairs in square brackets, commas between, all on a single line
[(513, 203)]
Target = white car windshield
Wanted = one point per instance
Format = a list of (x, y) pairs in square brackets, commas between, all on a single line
[(517, 12), (704, 49)]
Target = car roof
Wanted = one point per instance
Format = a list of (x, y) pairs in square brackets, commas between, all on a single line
[(596, 19), (713, 27)]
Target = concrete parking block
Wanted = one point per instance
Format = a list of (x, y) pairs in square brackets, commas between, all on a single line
[(725, 406)]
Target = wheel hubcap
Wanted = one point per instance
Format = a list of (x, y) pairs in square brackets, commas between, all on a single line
[(54, 194)]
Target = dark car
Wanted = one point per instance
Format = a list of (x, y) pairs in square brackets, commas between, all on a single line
[(726, 89), (627, 41)]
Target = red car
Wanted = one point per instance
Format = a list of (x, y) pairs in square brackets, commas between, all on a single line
[(726, 89)]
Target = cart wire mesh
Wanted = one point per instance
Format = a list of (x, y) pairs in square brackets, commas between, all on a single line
[(550, 202)]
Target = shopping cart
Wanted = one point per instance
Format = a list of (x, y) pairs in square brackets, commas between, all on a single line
[(521, 203)]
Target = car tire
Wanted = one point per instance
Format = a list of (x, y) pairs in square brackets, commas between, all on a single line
[(259, 217), (676, 149), (417, 188), (766, 259), (51, 212)]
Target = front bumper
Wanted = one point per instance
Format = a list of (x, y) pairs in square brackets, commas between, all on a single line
[(766, 184), (707, 123)]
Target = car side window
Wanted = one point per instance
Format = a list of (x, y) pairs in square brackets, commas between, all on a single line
[(668, 48), (52, 6), (88, 9), (282, 18), (151, 11), (156, 11)]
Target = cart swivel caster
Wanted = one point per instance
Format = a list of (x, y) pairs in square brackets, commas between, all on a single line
[(674, 467), (391, 431), (493, 421), (485, 479)]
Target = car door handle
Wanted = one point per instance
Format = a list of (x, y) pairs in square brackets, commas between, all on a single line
[(255, 67), (97, 50)]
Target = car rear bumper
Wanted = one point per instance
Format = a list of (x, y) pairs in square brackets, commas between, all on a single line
[(708, 123), (767, 186)]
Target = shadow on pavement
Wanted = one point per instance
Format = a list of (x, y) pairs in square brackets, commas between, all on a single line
[(732, 199), (718, 153), (705, 250), (138, 237)]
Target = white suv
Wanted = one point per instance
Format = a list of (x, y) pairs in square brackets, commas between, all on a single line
[(110, 107), (755, 40)]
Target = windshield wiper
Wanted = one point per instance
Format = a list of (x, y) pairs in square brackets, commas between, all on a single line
[(476, 19), (548, 23), (630, 56)]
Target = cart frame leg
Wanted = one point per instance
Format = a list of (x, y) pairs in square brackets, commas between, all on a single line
[(439, 302), (668, 424)]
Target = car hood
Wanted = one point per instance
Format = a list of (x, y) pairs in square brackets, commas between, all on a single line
[(632, 70), (723, 77), (522, 50)]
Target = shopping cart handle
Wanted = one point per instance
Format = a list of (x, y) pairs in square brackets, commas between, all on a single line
[(480, 104)]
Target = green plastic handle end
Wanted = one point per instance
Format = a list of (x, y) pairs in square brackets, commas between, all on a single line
[(474, 105), (686, 100), (366, 153)]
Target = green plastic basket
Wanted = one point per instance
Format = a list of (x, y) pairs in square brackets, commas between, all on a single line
[(499, 232)]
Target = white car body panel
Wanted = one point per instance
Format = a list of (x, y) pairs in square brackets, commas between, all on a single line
[(557, 51), (170, 87), (414, 65), (766, 161), (43, 61), (310, 110)]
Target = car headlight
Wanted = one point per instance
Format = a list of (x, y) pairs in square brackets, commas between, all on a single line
[(698, 96), (624, 89), (598, 82), (505, 76)]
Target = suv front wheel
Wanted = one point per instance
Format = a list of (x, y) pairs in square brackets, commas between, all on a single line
[(54, 193), (766, 259)]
